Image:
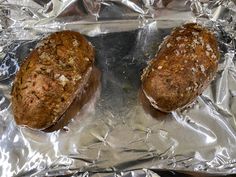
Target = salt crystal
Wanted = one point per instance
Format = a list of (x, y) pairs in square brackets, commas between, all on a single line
[(188, 88), (86, 58), (57, 76), (196, 41), (209, 48), (75, 43), (213, 56), (78, 77), (193, 70), (159, 67), (195, 33), (63, 79), (192, 45), (48, 70), (178, 38), (202, 68), (201, 40), (168, 45)]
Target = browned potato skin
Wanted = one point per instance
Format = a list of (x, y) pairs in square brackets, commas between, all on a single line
[(183, 67), (50, 78), (81, 99)]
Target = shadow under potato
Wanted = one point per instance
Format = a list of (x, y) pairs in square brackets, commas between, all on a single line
[(81, 99), (148, 108)]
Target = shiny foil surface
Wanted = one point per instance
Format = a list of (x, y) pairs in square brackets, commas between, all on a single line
[(117, 133)]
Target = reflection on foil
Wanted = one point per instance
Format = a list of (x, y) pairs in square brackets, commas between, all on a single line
[(117, 133)]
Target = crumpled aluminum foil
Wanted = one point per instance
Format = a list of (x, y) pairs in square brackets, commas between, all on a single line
[(116, 133)]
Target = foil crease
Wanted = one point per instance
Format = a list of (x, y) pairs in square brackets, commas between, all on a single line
[(114, 135)]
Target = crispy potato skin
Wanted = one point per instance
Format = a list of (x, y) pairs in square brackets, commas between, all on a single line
[(50, 78), (89, 90), (183, 67)]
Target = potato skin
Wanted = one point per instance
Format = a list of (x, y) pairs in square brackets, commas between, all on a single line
[(182, 68), (89, 91), (50, 78)]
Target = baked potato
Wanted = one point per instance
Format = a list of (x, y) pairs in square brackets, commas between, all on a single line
[(50, 78), (183, 67)]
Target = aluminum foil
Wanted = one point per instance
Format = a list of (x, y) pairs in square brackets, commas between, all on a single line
[(117, 133)]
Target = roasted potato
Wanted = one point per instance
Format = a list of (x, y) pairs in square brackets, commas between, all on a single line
[(50, 78), (183, 67)]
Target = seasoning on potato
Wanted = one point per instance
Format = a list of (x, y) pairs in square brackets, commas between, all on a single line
[(50, 78), (183, 67)]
